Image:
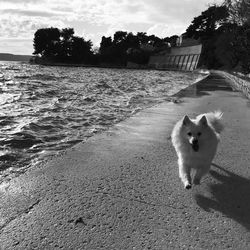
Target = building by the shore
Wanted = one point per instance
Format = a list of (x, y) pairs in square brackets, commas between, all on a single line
[(185, 56)]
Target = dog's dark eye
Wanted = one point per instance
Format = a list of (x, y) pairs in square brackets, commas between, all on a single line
[(199, 133), (189, 133)]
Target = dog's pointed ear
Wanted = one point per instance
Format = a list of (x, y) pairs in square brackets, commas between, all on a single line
[(203, 120), (186, 120)]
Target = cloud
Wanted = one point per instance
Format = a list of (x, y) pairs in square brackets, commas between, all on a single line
[(93, 19), (24, 27), (163, 30), (112, 12), (133, 8), (21, 1), (31, 13), (175, 11)]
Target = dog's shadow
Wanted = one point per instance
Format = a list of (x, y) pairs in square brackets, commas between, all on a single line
[(231, 196)]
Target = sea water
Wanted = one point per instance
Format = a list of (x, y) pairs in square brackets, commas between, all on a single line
[(44, 110)]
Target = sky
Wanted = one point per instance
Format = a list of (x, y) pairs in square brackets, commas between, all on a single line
[(92, 19)]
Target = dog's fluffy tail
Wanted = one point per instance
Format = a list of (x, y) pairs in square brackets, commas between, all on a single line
[(214, 119)]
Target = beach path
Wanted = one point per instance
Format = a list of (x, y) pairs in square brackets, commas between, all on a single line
[(121, 190)]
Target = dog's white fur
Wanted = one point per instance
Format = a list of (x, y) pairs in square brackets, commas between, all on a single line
[(195, 142)]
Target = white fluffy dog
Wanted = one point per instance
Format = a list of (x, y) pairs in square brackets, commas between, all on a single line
[(195, 142)]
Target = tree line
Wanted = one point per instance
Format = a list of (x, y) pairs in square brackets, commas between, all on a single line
[(223, 30), (60, 45)]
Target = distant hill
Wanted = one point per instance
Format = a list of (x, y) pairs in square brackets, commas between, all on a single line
[(12, 57)]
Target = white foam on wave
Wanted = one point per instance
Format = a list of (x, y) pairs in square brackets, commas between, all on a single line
[(8, 98)]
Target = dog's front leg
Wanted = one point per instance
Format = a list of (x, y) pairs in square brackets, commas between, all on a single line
[(200, 173), (184, 173)]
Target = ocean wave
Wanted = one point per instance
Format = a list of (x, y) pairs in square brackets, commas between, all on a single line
[(21, 140)]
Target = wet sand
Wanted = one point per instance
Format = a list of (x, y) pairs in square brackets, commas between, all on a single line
[(121, 190)]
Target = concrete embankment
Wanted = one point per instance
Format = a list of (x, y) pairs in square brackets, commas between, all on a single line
[(239, 82), (121, 190)]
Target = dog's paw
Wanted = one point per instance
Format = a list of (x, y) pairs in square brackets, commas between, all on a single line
[(188, 186)]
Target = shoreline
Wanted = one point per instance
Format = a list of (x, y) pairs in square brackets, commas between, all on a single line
[(129, 66)]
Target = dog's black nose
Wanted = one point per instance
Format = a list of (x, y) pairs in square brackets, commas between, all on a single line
[(195, 145), (195, 142)]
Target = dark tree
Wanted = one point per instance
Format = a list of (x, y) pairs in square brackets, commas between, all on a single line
[(142, 37), (132, 41), (115, 51), (105, 43), (205, 25), (67, 36), (119, 37), (243, 47), (206, 28), (239, 11), (46, 42), (226, 46), (138, 56), (62, 46), (81, 50), (173, 40)]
